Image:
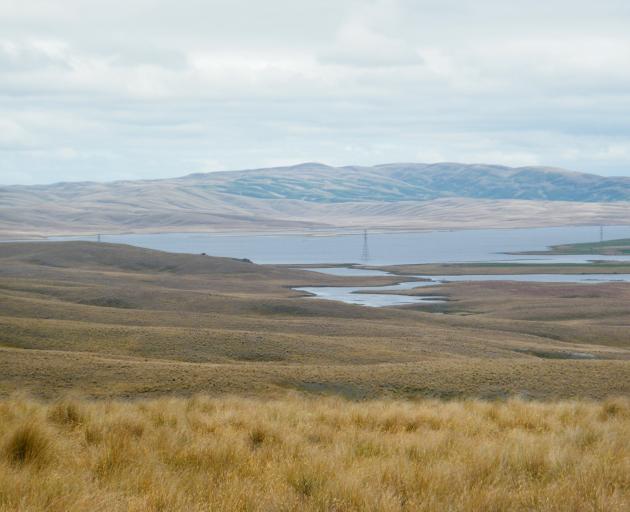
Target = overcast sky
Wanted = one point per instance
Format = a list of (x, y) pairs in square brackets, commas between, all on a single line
[(125, 89)]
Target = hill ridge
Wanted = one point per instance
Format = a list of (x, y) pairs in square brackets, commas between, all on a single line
[(313, 195)]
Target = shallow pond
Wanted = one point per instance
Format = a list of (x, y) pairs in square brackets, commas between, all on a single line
[(360, 294)]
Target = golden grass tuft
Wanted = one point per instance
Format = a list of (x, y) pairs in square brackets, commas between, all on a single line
[(27, 444), (257, 437), (68, 413), (309, 454)]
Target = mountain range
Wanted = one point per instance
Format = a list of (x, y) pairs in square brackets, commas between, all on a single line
[(317, 196)]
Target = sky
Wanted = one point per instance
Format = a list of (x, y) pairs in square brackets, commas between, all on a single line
[(144, 89)]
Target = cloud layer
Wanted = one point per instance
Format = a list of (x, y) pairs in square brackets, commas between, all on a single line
[(147, 89)]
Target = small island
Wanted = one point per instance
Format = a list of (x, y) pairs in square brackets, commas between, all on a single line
[(617, 247)]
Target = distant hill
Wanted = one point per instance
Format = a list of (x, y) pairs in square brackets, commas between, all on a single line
[(317, 196), (416, 182)]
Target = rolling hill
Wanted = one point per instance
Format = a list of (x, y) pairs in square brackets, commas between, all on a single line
[(320, 183), (316, 196)]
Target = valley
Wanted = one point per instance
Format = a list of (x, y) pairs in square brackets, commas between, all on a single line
[(109, 320)]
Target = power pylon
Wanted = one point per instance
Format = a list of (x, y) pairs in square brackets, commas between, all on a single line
[(365, 254)]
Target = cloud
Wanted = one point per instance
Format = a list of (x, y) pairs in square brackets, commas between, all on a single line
[(358, 45), (13, 136), (152, 88)]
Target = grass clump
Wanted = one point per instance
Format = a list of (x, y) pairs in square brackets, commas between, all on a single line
[(257, 437), (66, 413), (27, 444)]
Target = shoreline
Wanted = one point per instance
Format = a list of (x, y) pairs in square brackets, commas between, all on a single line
[(315, 232)]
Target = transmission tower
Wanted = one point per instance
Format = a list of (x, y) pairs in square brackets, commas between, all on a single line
[(601, 233), (365, 254)]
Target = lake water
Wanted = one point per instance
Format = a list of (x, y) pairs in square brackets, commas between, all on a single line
[(349, 271), (393, 248), (349, 295), (482, 245), (358, 295)]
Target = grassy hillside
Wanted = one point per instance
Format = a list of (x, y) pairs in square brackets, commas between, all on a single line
[(116, 321), (417, 182), (315, 196), (607, 247), (186, 382), (306, 454)]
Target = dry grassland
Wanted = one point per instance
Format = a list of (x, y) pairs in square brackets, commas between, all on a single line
[(303, 454), (118, 321), (226, 366)]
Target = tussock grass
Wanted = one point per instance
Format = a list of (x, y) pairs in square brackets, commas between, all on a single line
[(27, 444), (67, 412), (304, 453)]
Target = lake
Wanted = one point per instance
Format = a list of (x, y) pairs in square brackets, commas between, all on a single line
[(360, 294), (393, 248)]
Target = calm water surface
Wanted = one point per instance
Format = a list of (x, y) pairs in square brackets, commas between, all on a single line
[(358, 295), (349, 271), (483, 245)]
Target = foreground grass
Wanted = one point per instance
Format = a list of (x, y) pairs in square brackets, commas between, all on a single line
[(300, 453)]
